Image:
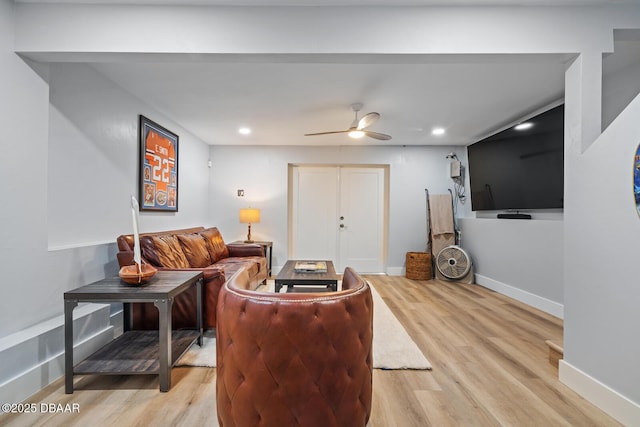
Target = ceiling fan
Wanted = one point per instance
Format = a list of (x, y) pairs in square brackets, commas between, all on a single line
[(358, 127)]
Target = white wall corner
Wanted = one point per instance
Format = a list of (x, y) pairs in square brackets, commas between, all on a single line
[(583, 100), (610, 401)]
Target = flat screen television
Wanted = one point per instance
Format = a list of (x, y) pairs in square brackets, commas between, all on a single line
[(520, 170)]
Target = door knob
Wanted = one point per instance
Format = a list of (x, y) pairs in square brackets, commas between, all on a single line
[(341, 218), (341, 225)]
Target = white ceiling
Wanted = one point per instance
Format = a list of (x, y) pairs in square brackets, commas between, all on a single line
[(282, 97)]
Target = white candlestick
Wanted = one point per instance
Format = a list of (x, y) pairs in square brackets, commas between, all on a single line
[(137, 257)]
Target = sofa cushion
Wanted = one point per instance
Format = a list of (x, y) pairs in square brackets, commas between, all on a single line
[(215, 244), (233, 264), (148, 251), (230, 269), (195, 250), (169, 251), (260, 261)]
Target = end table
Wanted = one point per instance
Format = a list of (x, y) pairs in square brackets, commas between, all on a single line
[(138, 352)]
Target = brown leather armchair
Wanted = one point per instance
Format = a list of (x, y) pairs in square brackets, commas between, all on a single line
[(294, 359)]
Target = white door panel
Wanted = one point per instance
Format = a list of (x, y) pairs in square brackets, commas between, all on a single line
[(314, 213), (362, 207)]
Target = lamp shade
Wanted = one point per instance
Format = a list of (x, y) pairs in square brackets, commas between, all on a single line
[(250, 215)]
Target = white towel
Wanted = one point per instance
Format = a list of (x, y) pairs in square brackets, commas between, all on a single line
[(441, 214)]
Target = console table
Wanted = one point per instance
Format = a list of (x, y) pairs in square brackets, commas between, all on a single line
[(135, 352)]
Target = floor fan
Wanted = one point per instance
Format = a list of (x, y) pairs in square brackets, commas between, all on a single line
[(453, 263)]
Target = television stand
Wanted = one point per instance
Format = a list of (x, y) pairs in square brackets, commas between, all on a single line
[(513, 216)]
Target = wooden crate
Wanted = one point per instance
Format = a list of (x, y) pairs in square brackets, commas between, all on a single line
[(419, 266)]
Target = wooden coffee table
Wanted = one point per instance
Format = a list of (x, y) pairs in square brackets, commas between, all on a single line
[(290, 278)]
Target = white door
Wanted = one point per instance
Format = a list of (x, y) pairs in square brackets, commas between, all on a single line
[(361, 216), (314, 214), (338, 213)]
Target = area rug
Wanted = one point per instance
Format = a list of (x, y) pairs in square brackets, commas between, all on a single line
[(393, 348)]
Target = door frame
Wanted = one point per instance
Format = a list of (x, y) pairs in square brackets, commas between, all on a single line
[(385, 232)]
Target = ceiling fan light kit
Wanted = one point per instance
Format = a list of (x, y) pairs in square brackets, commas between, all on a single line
[(358, 127)]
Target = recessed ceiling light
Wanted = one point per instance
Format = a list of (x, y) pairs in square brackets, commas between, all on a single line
[(244, 131), (523, 126), (437, 131)]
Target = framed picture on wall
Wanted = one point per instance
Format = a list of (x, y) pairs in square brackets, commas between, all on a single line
[(158, 172), (636, 179)]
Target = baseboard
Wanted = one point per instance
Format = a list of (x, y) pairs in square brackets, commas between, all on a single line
[(541, 303), (33, 358), (610, 401), (396, 271)]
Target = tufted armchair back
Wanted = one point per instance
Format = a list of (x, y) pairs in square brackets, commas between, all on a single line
[(294, 359)]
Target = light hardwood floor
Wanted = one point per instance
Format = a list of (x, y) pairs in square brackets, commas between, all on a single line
[(490, 368)]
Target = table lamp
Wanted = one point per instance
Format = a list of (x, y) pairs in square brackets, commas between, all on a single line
[(249, 216)]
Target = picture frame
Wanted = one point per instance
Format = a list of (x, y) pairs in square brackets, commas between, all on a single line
[(636, 179), (158, 167)]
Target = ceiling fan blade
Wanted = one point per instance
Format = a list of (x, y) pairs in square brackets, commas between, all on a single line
[(367, 120), (376, 135), (326, 133)]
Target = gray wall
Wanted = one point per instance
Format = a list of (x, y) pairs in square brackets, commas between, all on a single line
[(602, 227), (23, 177), (521, 259), (262, 173), (93, 161), (70, 145), (622, 81)]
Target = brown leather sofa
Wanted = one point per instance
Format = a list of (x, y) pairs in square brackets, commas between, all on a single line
[(294, 359), (192, 249)]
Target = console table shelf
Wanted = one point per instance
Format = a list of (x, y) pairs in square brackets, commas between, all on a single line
[(135, 352)]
